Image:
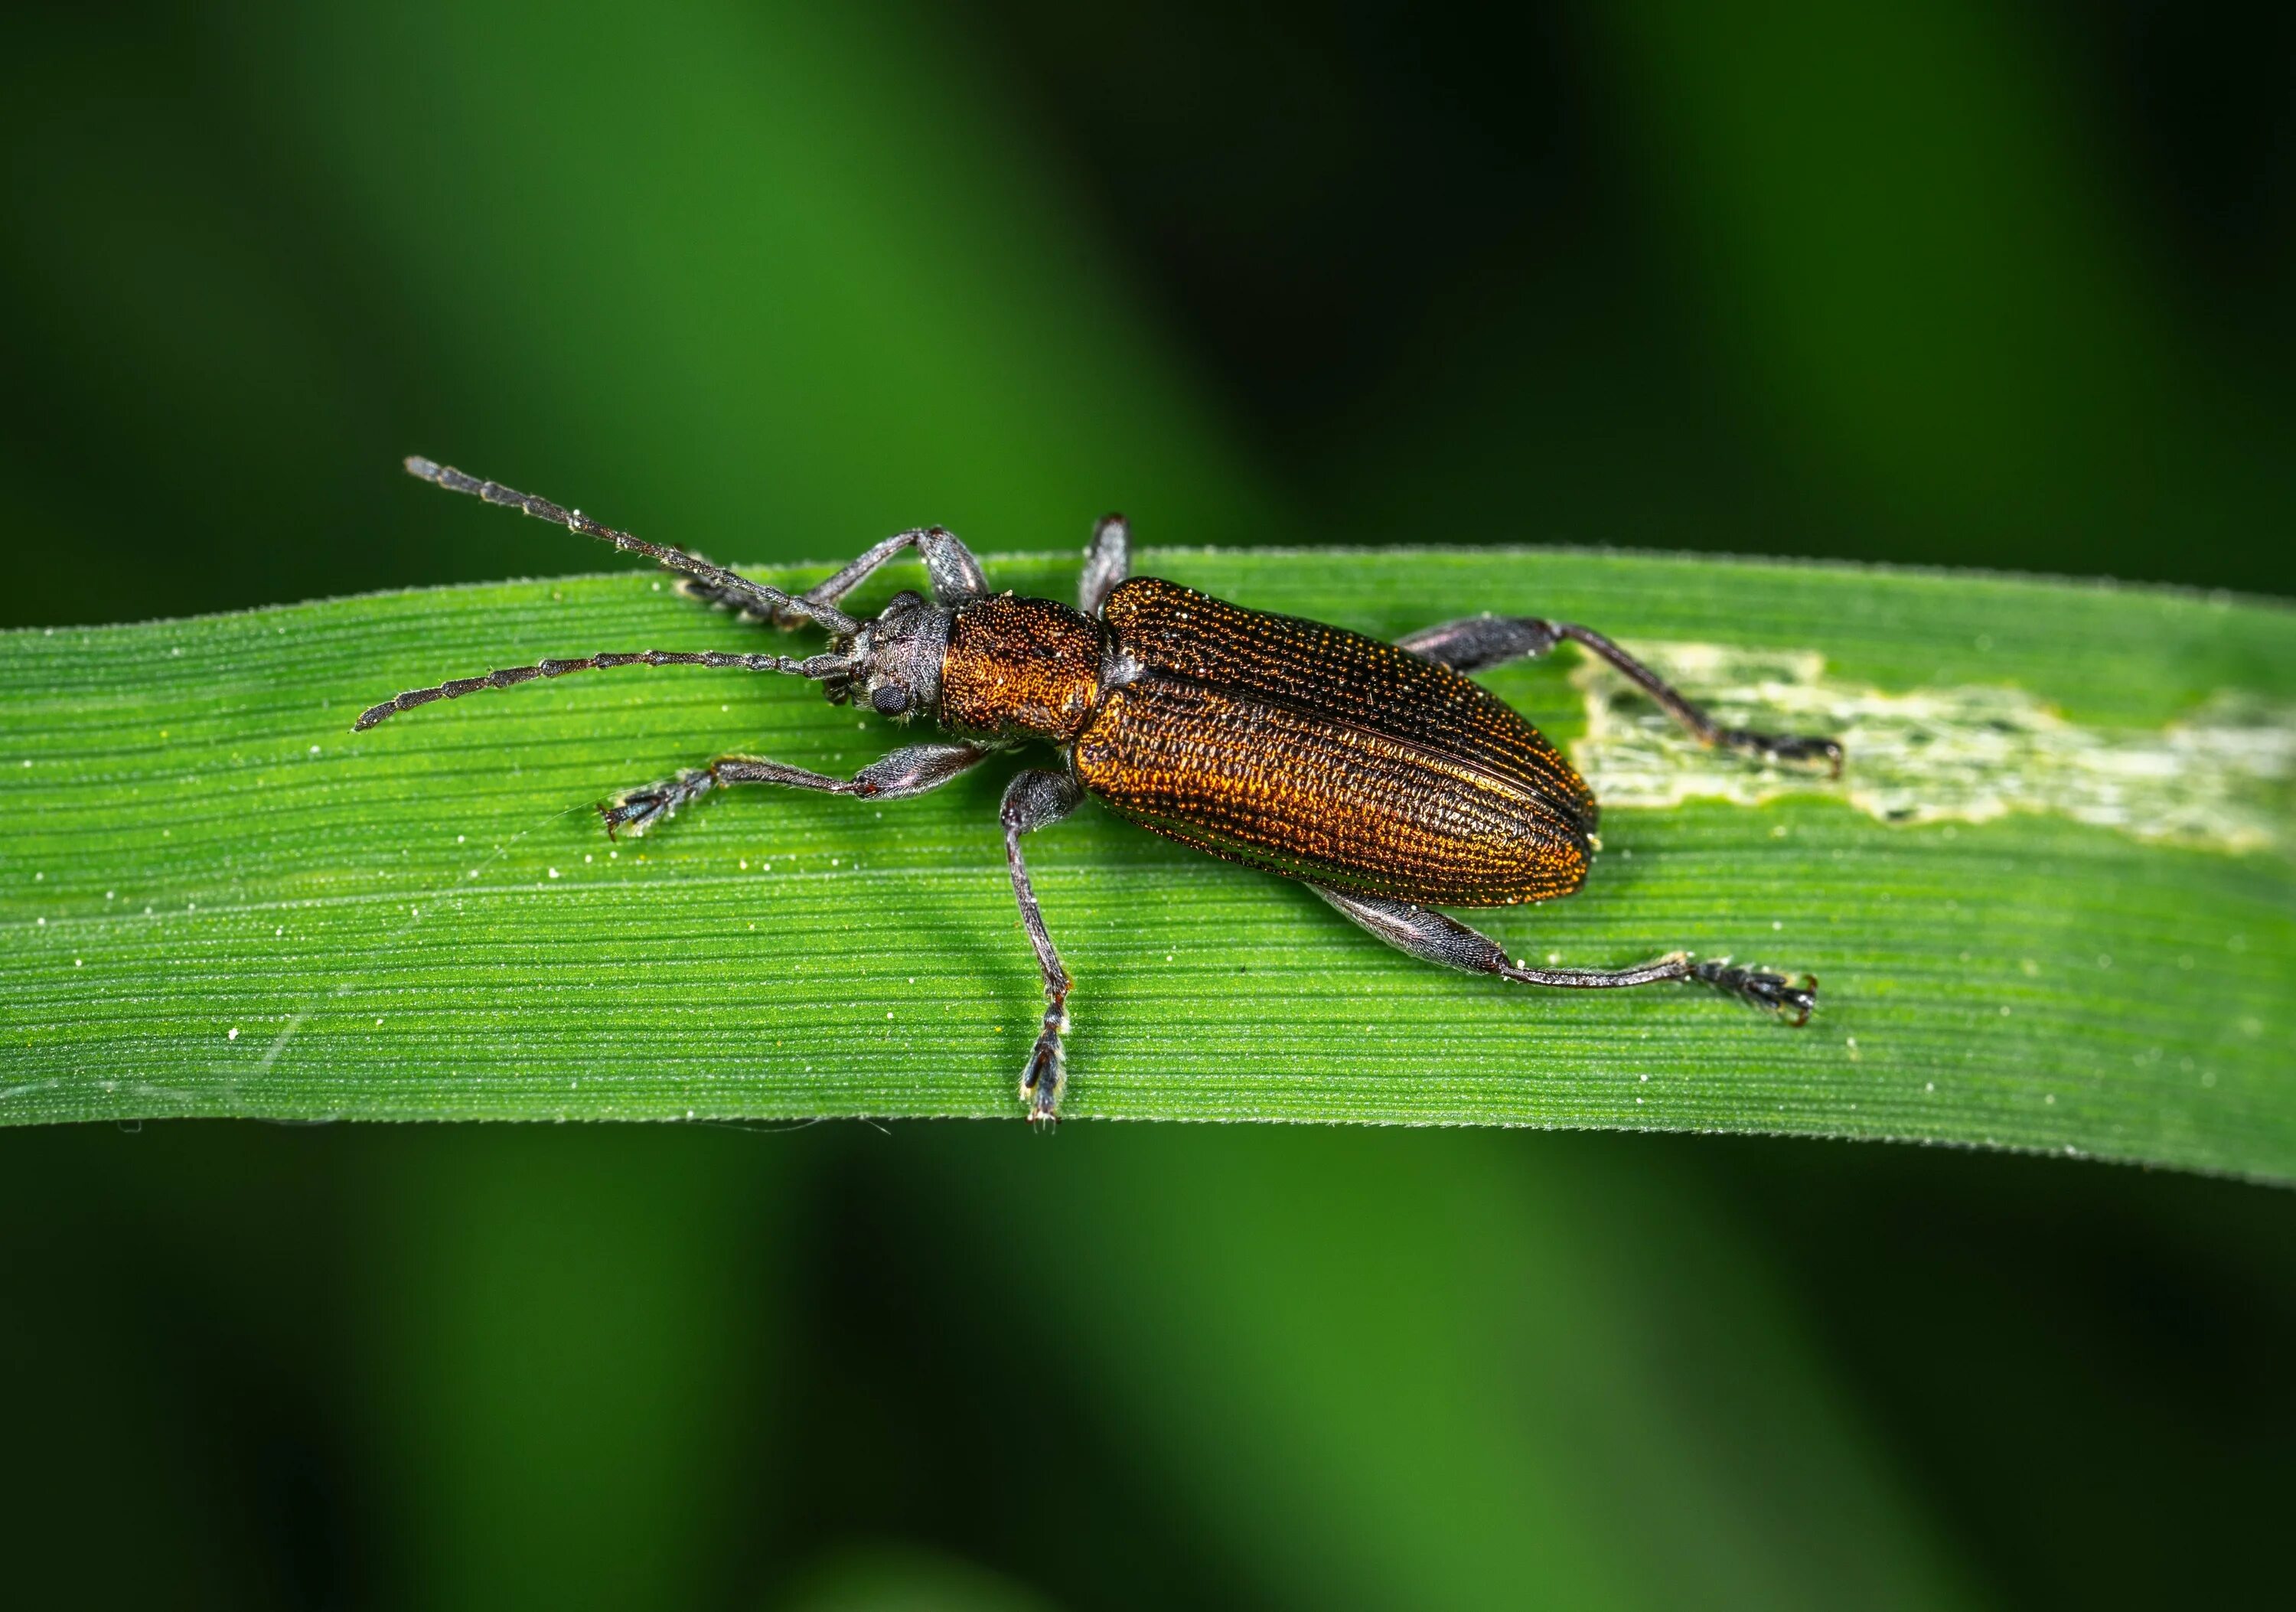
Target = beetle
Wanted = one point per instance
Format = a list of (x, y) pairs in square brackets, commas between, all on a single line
[(1375, 773)]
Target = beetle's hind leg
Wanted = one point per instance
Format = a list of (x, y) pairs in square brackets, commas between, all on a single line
[(1479, 641), (894, 776), (1424, 932), (1033, 800)]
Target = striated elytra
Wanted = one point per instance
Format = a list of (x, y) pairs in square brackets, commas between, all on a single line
[(1377, 774)]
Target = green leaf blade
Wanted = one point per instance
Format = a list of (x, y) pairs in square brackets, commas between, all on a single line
[(425, 921)]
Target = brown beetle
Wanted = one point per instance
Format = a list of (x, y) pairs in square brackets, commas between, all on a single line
[(1377, 774)]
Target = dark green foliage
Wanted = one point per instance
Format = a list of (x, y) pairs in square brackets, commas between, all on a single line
[(2000, 286)]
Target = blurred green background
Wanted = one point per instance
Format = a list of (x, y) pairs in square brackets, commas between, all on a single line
[(1922, 281)]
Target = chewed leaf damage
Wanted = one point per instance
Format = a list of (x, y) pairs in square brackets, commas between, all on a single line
[(2223, 777)]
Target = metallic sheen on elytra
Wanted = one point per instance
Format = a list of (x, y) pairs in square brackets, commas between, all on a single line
[(1324, 755), (1378, 774)]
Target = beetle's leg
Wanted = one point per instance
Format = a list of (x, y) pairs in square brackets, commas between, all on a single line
[(1481, 641), (955, 576), (1478, 641), (894, 776), (1106, 563), (1424, 932), (1034, 799)]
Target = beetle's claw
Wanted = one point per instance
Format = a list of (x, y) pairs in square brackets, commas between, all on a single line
[(641, 809), (1792, 998), (635, 812)]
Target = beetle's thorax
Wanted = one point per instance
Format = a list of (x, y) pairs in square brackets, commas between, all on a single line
[(1019, 668)]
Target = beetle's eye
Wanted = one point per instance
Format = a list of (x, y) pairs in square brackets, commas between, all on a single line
[(890, 699)]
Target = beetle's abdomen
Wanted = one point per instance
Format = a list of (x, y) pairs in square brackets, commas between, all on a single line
[(1354, 681), (1294, 791), (1019, 669)]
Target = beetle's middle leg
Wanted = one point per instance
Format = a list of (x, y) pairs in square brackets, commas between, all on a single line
[(895, 776), (1107, 561), (1033, 800), (1424, 932), (1480, 641)]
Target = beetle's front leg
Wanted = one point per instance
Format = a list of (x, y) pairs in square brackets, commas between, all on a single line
[(950, 569), (894, 776), (1034, 799), (1479, 641)]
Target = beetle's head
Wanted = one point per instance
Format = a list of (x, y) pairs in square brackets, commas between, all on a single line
[(892, 665)]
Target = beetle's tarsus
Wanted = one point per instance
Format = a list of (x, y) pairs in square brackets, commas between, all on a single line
[(641, 809), (1792, 998), (1047, 1070), (1790, 748)]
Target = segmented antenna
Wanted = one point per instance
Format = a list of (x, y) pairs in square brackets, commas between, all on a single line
[(816, 667), (754, 596)]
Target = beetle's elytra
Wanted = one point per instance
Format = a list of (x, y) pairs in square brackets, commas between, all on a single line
[(1377, 774)]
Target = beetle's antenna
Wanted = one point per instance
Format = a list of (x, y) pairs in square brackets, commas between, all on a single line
[(815, 667), (769, 603)]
